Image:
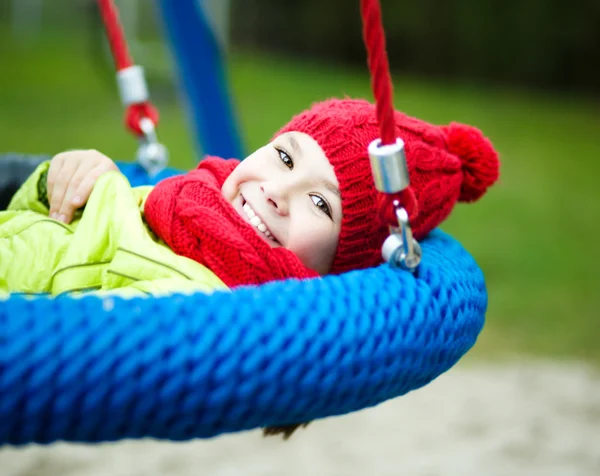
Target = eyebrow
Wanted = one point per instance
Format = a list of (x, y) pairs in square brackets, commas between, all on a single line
[(294, 143), (332, 188), (298, 151)]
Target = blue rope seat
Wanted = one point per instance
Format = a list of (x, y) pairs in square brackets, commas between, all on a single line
[(94, 369), (137, 175)]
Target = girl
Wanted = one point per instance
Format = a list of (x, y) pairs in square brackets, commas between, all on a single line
[(302, 206)]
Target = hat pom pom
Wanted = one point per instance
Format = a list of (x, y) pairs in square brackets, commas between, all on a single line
[(480, 164)]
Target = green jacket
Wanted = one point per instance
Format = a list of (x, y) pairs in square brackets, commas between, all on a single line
[(108, 248)]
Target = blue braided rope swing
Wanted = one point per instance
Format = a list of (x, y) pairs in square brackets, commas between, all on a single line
[(182, 367), (95, 369)]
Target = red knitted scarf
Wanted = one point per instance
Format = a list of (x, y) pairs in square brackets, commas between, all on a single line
[(189, 213)]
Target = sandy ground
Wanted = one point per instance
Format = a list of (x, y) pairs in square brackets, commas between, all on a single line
[(517, 418)]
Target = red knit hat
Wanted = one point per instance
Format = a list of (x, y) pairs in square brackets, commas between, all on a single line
[(446, 164)]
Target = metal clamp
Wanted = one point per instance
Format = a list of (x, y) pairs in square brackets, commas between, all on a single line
[(390, 173), (400, 248), (132, 86), (151, 154), (388, 163)]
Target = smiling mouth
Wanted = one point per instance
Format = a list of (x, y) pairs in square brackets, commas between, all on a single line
[(257, 223)]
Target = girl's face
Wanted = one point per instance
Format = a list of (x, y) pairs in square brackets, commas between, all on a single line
[(289, 192)]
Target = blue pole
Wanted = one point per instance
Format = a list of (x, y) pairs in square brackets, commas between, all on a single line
[(202, 75)]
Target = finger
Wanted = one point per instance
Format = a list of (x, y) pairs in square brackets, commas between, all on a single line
[(60, 188), (82, 193), (53, 172), (79, 189), (69, 202)]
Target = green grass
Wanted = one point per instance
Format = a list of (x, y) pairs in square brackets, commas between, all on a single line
[(534, 234)]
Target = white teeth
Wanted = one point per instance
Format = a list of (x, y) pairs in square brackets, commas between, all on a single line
[(249, 211), (255, 220)]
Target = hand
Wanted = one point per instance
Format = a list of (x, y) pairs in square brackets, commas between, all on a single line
[(71, 178)]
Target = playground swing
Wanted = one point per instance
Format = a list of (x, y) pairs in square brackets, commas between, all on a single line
[(93, 369)]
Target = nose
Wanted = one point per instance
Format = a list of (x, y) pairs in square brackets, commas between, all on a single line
[(276, 196)]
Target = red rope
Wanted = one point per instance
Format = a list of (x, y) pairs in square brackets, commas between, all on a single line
[(115, 34), (381, 82), (118, 45)]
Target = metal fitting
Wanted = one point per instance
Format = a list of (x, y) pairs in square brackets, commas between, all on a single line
[(400, 249), (132, 85), (388, 164), (151, 154)]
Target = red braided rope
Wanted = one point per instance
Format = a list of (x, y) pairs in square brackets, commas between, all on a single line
[(115, 34), (118, 45), (381, 82)]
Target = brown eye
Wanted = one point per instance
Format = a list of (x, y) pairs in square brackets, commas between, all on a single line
[(285, 158), (321, 204)]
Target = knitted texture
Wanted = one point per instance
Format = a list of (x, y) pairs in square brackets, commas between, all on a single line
[(100, 369), (445, 164), (190, 214)]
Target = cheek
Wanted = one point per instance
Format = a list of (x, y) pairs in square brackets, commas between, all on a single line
[(229, 188), (314, 246), (232, 184), (248, 170)]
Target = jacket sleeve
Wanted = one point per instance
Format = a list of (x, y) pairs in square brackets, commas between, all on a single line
[(33, 194)]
